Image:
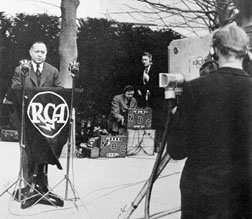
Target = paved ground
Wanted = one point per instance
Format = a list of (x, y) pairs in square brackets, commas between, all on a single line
[(104, 186)]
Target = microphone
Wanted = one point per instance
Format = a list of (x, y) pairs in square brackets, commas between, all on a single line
[(74, 68), (147, 95), (25, 66)]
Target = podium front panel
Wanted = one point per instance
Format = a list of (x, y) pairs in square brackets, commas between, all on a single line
[(46, 123)]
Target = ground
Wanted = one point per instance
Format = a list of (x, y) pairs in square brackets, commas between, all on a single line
[(105, 187)]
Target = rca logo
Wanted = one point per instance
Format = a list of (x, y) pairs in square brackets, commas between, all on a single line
[(48, 112)]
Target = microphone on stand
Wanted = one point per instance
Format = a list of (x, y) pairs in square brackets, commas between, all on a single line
[(147, 95), (147, 98), (74, 68), (25, 66)]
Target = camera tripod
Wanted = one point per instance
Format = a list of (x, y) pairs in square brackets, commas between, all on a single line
[(161, 161)]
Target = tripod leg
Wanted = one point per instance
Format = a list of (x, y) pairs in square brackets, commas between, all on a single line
[(71, 144), (6, 190), (158, 159), (23, 182), (164, 161), (160, 163)]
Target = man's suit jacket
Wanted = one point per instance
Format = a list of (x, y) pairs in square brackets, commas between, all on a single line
[(152, 85), (118, 111), (49, 77)]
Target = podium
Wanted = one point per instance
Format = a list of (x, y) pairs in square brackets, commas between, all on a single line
[(44, 119), (46, 122)]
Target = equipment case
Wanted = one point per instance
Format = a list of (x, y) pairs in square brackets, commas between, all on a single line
[(139, 118), (112, 146), (9, 135)]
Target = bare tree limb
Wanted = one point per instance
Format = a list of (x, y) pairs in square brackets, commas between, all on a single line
[(194, 15)]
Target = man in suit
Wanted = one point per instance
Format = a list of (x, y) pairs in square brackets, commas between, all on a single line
[(40, 74), (119, 106), (212, 128), (150, 95), (147, 83)]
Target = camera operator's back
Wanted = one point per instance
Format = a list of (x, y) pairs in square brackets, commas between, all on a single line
[(212, 128)]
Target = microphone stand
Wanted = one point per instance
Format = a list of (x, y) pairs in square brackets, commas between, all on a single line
[(147, 98), (25, 67), (22, 132), (74, 68)]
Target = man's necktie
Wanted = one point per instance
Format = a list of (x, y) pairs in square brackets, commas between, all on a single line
[(146, 77), (38, 73)]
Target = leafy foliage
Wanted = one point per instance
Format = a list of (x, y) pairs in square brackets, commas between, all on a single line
[(110, 56)]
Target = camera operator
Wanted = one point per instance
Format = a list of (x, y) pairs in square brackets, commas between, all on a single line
[(212, 128)]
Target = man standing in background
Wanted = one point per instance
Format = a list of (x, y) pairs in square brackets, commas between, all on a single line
[(150, 95)]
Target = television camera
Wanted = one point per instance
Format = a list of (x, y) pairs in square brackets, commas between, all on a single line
[(173, 84)]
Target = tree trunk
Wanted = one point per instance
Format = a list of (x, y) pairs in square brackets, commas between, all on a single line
[(221, 9), (245, 16), (67, 39)]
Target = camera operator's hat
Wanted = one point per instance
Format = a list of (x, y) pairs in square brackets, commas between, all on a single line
[(231, 37)]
